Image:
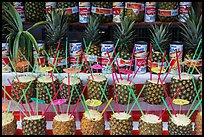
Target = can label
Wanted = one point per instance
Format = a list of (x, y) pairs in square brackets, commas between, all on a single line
[(173, 48), (123, 62), (140, 50), (183, 10), (49, 5), (142, 63), (150, 3), (71, 10), (74, 60), (84, 11), (92, 58), (136, 7), (185, 3), (105, 11), (150, 14), (117, 9), (157, 64), (168, 13), (173, 63), (75, 49), (105, 62), (59, 62)]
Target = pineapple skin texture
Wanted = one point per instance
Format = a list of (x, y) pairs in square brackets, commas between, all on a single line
[(198, 124), (10, 128)]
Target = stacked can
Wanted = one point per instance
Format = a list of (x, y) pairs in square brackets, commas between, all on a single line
[(175, 45), (19, 6), (84, 11), (150, 12), (50, 5), (5, 54), (39, 58), (106, 46), (140, 52), (75, 53), (184, 7), (118, 8)]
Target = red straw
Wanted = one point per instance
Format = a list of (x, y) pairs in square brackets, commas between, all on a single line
[(116, 95), (53, 84), (68, 87), (56, 51), (131, 63), (78, 100), (170, 68), (170, 102), (150, 61), (138, 68), (117, 64), (53, 98), (58, 109), (178, 65), (161, 67), (87, 63), (112, 67)]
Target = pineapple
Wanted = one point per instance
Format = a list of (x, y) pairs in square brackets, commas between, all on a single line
[(199, 85), (92, 35), (73, 81), (150, 124), (123, 91), (121, 124), (63, 124), (17, 86), (35, 11), (166, 8), (92, 123), (104, 18), (160, 35), (71, 17), (180, 125), (192, 34), (9, 124), (93, 89), (34, 125), (134, 11), (187, 91), (153, 92), (56, 30), (198, 123), (125, 34), (41, 84)]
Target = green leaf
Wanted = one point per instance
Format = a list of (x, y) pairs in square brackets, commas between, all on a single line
[(33, 41), (16, 45), (37, 24)]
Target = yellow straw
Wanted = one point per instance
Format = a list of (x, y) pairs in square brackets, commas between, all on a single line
[(193, 64), (106, 107)]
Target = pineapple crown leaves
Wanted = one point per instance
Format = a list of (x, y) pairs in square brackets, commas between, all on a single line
[(17, 36), (191, 29), (160, 36), (92, 30), (125, 33), (56, 26)]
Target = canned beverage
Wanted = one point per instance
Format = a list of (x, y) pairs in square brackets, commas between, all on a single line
[(185, 3), (117, 11), (150, 12), (84, 11), (75, 53), (140, 50), (175, 45), (19, 6), (106, 46), (50, 5), (142, 63), (183, 10)]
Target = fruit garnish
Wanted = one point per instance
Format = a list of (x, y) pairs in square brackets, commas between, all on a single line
[(23, 64), (180, 102), (71, 70), (157, 70), (45, 69), (97, 66), (4, 106), (93, 102), (59, 101)]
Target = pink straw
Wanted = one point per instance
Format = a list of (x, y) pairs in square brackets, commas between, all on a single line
[(58, 108), (151, 61), (57, 51), (117, 64), (170, 68), (170, 102), (131, 63), (178, 65), (53, 98), (78, 99), (161, 67), (87, 63), (68, 87), (53, 84), (112, 66)]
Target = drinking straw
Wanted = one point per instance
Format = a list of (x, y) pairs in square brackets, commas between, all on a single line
[(27, 103), (26, 59), (197, 94), (84, 43), (170, 102), (178, 65), (66, 51), (105, 97), (59, 42), (193, 64), (137, 99), (13, 101), (166, 106), (151, 61), (196, 59), (70, 98), (104, 91), (131, 62), (128, 102), (195, 87), (196, 52), (106, 107), (130, 90), (195, 108), (82, 102), (161, 67), (9, 105), (116, 95), (170, 68), (37, 101), (51, 100), (4, 95)]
